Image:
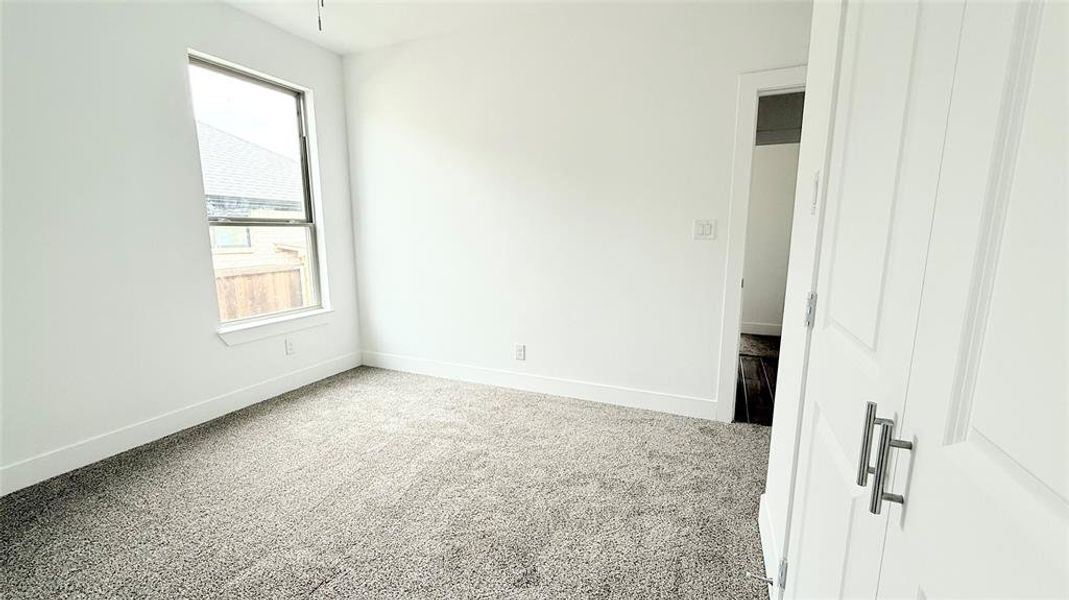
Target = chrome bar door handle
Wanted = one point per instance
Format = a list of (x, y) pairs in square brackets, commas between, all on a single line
[(863, 468), (883, 451)]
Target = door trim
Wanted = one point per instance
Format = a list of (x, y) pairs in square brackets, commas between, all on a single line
[(751, 86)]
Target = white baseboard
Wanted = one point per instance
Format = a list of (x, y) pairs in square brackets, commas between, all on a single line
[(61, 460), (761, 328), (769, 547), (688, 406)]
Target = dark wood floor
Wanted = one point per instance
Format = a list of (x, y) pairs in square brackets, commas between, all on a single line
[(756, 388)]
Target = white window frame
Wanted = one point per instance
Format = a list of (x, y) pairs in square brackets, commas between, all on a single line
[(240, 331)]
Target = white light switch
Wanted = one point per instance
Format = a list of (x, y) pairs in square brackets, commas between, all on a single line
[(705, 229)]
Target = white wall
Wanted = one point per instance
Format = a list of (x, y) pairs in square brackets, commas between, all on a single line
[(537, 184), (768, 237), (109, 306)]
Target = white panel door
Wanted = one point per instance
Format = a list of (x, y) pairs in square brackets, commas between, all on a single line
[(896, 72), (986, 488)]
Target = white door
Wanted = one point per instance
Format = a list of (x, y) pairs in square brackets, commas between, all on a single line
[(986, 488), (894, 91)]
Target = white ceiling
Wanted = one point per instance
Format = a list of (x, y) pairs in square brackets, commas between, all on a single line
[(353, 26)]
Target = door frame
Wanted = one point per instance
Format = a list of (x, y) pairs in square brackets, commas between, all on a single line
[(751, 87)]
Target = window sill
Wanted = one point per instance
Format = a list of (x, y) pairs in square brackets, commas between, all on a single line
[(251, 331)]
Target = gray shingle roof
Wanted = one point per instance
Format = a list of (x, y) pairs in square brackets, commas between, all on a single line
[(239, 169)]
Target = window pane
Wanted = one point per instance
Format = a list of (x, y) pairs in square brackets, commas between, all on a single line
[(230, 237), (250, 150), (274, 272)]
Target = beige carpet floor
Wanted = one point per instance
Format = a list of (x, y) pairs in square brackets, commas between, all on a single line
[(379, 484)]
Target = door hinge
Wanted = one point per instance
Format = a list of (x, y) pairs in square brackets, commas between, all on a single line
[(810, 309), (781, 577)]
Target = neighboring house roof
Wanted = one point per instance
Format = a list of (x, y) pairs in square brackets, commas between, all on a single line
[(239, 170)]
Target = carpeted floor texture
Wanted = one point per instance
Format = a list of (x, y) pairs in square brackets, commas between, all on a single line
[(380, 484)]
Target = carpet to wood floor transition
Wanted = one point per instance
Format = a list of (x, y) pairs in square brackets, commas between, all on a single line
[(380, 484)]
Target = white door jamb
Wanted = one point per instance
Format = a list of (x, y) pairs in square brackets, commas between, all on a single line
[(751, 87)]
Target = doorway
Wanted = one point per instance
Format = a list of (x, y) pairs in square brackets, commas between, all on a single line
[(773, 175)]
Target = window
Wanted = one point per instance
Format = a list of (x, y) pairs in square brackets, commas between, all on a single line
[(230, 237), (254, 160)]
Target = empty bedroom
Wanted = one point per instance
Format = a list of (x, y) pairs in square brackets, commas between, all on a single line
[(495, 299)]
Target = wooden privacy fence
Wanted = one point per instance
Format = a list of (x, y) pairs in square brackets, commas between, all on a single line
[(261, 292)]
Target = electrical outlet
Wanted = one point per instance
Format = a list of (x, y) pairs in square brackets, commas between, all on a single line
[(290, 348), (521, 352)]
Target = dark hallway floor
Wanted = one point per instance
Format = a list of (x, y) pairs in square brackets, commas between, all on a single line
[(756, 387)]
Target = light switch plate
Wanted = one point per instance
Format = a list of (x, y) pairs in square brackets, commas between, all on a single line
[(705, 229)]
